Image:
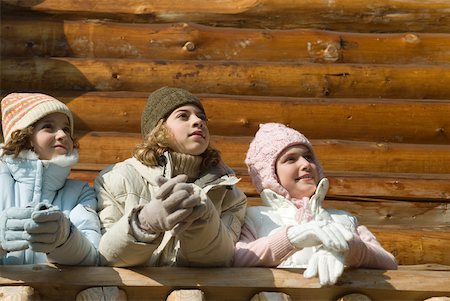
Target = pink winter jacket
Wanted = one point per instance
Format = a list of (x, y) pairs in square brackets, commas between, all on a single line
[(263, 241)]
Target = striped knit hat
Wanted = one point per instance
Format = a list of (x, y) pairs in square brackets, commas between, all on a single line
[(20, 110)]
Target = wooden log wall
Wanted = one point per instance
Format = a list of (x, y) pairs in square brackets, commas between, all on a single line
[(367, 82)]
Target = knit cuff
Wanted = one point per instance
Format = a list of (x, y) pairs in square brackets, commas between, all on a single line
[(138, 233), (279, 243)]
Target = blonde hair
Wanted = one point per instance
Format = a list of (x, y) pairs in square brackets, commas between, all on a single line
[(21, 140), (158, 141)]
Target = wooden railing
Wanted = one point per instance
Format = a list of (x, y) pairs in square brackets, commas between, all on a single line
[(367, 82), (90, 283)]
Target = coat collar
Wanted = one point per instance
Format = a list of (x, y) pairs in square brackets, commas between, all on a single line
[(220, 174), (28, 169), (272, 199)]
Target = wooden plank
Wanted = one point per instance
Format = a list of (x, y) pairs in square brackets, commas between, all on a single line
[(236, 115), (335, 155), (370, 186), (378, 213), (245, 78), (35, 36), (346, 15), (228, 283), (415, 246)]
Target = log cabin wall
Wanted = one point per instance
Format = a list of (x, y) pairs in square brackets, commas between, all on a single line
[(367, 82)]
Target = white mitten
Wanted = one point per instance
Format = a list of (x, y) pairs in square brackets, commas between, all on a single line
[(327, 265), (314, 233)]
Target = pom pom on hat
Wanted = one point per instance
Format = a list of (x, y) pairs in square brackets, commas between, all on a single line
[(20, 110), (162, 102), (270, 140)]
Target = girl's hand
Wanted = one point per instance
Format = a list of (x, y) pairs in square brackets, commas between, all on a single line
[(173, 204), (48, 229), (12, 229), (330, 235), (327, 265)]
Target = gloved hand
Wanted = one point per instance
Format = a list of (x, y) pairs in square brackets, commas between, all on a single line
[(12, 229), (174, 204), (48, 229), (330, 235), (327, 265), (317, 198)]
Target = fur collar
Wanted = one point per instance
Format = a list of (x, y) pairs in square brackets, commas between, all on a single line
[(62, 160)]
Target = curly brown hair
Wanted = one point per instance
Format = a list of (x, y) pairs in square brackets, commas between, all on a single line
[(21, 140), (157, 142)]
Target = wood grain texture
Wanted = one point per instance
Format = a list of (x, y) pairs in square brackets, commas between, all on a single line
[(403, 120), (19, 293), (110, 293), (221, 77), (347, 15), (335, 155), (351, 186), (34, 36), (415, 245), (186, 295), (228, 283)]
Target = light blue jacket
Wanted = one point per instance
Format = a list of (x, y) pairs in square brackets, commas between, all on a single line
[(26, 181)]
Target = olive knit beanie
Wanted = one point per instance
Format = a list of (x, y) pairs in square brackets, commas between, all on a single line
[(162, 102), (20, 110), (270, 140)]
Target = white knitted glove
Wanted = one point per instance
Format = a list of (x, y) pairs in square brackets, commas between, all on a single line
[(326, 264), (319, 213), (330, 235)]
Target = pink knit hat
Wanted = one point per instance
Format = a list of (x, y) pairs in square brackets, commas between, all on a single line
[(20, 110), (270, 140)]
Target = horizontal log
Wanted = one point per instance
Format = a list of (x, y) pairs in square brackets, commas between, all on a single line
[(345, 15), (245, 78), (98, 39), (415, 246), (227, 283), (363, 186), (335, 155), (381, 120), (378, 213)]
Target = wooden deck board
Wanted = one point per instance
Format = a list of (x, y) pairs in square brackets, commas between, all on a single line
[(227, 283)]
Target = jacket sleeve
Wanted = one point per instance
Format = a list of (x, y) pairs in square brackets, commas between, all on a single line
[(268, 251), (119, 198), (366, 251), (81, 246), (212, 243)]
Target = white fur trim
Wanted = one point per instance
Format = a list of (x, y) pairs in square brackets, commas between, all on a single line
[(64, 160)]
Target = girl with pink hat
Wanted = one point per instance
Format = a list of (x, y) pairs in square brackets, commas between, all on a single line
[(292, 229)]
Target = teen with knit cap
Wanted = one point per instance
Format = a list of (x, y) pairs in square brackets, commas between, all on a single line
[(292, 229), (44, 217), (174, 203)]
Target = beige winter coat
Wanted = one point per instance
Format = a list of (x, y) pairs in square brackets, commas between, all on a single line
[(124, 188)]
